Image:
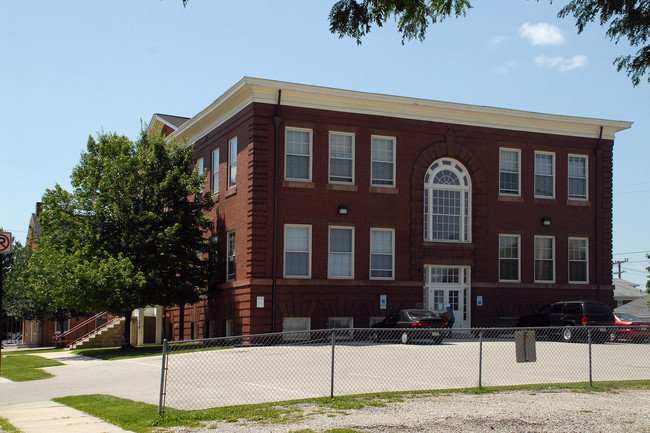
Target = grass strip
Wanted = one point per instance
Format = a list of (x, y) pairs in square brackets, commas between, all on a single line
[(143, 418), (21, 368), (116, 353), (6, 427)]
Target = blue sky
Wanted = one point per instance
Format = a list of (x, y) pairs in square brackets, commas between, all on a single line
[(69, 69)]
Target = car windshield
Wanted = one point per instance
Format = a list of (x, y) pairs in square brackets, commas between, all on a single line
[(422, 315), (627, 317)]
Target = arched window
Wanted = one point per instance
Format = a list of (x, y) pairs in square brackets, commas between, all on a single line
[(447, 202)]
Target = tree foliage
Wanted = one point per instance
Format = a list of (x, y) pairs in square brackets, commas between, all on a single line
[(628, 19), (130, 234)]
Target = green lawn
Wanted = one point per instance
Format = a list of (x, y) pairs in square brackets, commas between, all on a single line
[(20, 367)]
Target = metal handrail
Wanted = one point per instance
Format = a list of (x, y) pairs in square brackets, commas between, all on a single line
[(68, 338)]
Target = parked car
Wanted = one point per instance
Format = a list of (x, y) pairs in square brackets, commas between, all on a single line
[(410, 325), (566, 315), (631, 328)]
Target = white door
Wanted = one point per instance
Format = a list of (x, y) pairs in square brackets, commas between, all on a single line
[(448, 285)]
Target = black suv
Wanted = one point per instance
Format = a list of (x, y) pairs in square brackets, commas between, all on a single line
[(567, 314)]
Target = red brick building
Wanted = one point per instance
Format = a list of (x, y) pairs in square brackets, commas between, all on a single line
[(336, 207)]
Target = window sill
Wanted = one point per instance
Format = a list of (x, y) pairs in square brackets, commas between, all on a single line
[(585, 203), (384, 190), (297, 184), (231, 191), (511, 198), (340, 187)]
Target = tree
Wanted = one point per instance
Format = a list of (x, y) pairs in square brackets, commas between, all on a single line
[(647, 284), (130, 234), (625, 19)]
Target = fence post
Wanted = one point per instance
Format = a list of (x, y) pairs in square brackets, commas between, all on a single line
[(163, 380), (591, 383), (332, 372), (480, 359)]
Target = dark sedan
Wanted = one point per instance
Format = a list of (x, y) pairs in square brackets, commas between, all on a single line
[(410, 325)]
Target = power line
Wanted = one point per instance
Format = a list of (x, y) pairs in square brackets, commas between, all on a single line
[(633, 252)]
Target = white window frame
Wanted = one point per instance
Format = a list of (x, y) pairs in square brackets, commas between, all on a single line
[(331, 254), (215, 169), (232, 162), (465, 191), (338, 179), (584, 179), (383, 253), (309, 156), (231, 269), (585, 261), (546, 259), (291, 327), (507, 170), (518, 258), (373, 159), (545, 175), (288, 228)]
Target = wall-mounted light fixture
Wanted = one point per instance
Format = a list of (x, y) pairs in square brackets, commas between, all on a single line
[(546, 221), (343, 209)]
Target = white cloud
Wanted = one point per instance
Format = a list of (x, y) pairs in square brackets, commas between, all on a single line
[(542, 34), (505, 67), (561, 63), (498, 40)]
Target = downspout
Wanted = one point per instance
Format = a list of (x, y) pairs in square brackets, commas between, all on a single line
[(598, 217), (277, 121)]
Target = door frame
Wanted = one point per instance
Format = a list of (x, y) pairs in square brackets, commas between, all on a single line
[(448, 279)]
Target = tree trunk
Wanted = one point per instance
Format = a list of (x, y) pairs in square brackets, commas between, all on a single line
[(126, 337)]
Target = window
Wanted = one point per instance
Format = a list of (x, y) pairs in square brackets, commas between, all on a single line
[(382, 254), (341, 247), (230, 253), (215, 171), (290, 326), (577, 177), (509, 258), (341, 323), (341, 158), (544, 175), (382, 168), (544, 259), (298, 154), (447, 202), (297, 251), (232, 162), (509, 173), (578, 260)]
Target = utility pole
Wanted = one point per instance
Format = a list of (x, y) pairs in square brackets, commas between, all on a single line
[(618, 263)]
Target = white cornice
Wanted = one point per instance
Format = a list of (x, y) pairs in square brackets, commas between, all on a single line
[(249, 90)]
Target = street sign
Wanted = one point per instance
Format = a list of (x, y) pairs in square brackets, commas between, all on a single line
[(5, 243)]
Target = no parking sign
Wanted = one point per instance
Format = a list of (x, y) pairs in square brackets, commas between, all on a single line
[(5, 243)]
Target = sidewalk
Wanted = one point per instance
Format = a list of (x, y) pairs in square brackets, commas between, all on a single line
[(48, 417)]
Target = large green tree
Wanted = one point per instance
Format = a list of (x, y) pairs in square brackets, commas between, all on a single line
[(131, 233), (624, 19)]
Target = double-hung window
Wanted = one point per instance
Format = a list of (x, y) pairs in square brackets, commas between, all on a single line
[(230, 254), (544, 175), (578, 177), (297, 251), (232, 162), (341, 160), (382, 254), (341, 252), (509, 254), (578, 260), (509, 171), (382, 164), (215, 171), (544, 259), (298, 154)]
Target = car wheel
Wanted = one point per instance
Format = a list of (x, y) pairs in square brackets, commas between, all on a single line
[(568, 335), (405, 337), (613, 338)]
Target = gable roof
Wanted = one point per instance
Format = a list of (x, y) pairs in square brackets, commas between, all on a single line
[(249, 90), (159, 120)]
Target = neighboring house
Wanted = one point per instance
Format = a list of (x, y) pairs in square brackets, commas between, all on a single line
[(639, 307), (626, 291), (335, 207)]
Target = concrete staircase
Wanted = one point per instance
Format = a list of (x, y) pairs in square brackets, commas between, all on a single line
[(109, 335)]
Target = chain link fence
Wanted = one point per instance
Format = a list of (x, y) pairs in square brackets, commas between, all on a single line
[(251, 369)]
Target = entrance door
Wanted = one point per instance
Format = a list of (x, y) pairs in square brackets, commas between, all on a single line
[(448, 285)]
